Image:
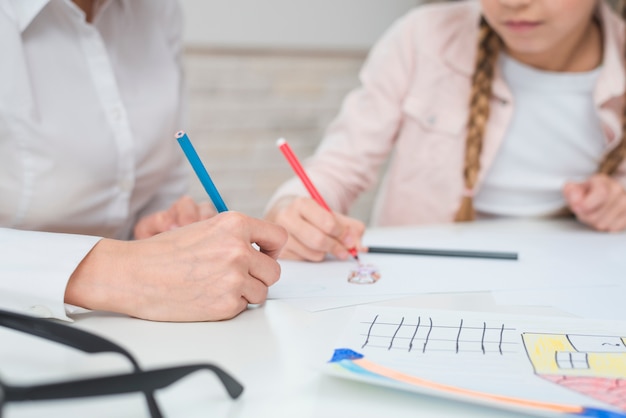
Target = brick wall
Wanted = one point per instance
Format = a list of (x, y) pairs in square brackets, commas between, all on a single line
[(240, 102)]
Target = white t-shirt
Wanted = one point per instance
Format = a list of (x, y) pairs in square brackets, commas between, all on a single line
[(88, 114), (555, 136)]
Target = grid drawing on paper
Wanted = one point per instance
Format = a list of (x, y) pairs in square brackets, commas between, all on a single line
[(422, 335)]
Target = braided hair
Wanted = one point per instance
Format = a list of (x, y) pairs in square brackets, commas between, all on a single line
[(488, 49), (614, 158), (489, 45)]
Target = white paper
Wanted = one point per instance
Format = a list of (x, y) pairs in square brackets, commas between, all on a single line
[(473, 356), (318, 304), (552, 256), (600, 302)]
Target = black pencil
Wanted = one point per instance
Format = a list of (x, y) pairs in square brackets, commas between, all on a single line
[(443, 253)]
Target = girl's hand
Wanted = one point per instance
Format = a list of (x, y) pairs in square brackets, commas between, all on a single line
[(183, 212), (599, 202), (313, 231)]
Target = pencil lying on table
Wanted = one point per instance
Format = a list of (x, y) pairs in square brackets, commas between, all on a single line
[(443, 253)]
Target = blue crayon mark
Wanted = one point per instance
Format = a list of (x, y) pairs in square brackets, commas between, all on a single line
[(345, 354), (600, 413)]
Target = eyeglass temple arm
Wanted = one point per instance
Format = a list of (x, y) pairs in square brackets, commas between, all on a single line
[(62, 334), (142, 381), (72, 337)]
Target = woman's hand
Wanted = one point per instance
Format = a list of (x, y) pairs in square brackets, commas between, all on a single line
[(205, 271), (313, 231), (599, 202), (183, 212)]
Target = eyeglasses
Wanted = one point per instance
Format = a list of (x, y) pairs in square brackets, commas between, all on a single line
[(146, 381)]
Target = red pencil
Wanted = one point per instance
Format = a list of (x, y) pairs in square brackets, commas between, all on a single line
[(284, 147)]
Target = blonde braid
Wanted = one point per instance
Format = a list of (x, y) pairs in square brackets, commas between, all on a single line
[(488, 48), (614, 158)]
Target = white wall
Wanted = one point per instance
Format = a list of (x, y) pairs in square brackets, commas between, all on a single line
[(241, 98), (297, 24)]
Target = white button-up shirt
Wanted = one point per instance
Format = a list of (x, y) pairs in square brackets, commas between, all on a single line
[(88, 114)]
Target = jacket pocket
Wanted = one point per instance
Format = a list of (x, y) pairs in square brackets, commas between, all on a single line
[(431, 140), (436, 118)]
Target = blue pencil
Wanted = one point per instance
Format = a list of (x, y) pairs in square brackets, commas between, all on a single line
[(201, 172)]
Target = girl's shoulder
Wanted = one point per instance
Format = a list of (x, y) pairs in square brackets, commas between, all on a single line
[(447, 30), (439, 25)]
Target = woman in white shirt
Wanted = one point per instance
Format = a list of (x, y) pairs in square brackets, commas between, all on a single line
[(90, 99)]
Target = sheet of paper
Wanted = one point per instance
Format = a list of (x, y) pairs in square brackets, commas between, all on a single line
[(542, 366), (599, 302), (318, 304), (548, 258)]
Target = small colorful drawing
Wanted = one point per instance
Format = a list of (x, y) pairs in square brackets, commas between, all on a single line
[(364, 274)]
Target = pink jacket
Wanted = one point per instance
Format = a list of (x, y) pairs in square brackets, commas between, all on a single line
[(414, 102)]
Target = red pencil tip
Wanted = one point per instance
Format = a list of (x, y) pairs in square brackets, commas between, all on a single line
[(354, 253)]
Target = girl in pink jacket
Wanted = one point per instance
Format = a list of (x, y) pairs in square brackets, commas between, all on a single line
[(486, 108)]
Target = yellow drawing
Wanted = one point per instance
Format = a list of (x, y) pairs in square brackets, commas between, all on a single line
[(589, 364)]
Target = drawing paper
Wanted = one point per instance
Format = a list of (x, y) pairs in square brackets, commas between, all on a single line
[(543, 366)]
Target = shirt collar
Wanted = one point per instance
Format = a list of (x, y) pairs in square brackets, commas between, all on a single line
[(26, 11), (101, 5)]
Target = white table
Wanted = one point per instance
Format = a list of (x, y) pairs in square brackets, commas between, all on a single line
[(275, 351)]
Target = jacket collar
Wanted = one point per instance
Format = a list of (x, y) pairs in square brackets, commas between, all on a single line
[(612, 80), (461, 48)]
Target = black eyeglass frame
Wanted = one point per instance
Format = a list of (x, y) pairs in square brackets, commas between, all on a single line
[(137, 381)]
